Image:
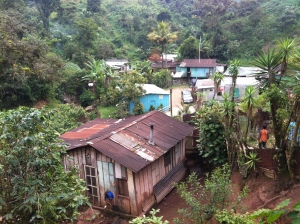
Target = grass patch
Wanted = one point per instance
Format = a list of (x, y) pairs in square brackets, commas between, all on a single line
[(107, 112)]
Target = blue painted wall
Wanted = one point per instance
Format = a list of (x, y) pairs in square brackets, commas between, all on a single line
[(202, 73), (152, 99), (180, 69)]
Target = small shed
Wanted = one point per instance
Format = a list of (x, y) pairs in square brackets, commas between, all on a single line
[(121, 65), (154, 97), (137, 159)]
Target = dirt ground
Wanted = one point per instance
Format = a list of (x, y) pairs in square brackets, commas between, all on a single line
[(264, 193), (176, 100)]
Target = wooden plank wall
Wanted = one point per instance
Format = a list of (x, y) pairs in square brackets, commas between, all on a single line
[(149, 176), (78, 159), (105, 166), (140, 184), (89, 156)]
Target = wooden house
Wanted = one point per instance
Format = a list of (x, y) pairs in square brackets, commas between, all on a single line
[(195, 68), (154, 97), (138, 159)]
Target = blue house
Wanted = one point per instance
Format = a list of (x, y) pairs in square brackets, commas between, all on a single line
[(196, 68), (154, 97)]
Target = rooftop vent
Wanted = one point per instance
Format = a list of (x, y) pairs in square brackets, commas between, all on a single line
[(151, 140)]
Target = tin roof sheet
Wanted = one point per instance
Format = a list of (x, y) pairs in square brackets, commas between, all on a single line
[(126, 141), (196, 63), (153, 89)]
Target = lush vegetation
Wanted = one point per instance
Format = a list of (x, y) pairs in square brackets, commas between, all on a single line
[(33, 183), (54, 51), (47, 47)]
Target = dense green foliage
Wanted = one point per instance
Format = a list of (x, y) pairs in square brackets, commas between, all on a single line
[(211, 142), (203, 200), (66, 117), (41, 39), (33, 183)]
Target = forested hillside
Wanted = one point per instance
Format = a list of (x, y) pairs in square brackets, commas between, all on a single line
[(45, 44)]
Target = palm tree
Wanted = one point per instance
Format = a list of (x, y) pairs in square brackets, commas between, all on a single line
[(162, 35), (250, 101), (273, 64), (233, 72), (268, 64), (217, 77), (286, 48)]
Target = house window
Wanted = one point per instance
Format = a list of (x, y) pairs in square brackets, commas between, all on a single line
[(122, 183), (92, 183), (123, 187), (167, 158)]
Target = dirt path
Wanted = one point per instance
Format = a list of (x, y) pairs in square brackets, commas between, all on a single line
[(176, 100)]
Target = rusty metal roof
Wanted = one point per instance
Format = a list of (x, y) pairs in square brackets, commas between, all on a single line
[(126, 140), (196, 63)]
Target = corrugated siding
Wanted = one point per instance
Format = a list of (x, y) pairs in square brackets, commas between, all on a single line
[(164, 186)]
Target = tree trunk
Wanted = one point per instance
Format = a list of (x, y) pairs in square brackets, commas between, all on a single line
[(162, 56), (291, 148)]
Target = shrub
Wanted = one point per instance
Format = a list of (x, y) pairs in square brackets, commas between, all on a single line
[(34, 185), (204, 200), (211, 142)]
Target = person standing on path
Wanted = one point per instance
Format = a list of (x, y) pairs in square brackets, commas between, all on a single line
[(263, 137)]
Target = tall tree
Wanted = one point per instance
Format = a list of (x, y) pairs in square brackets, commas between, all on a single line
[(269, 63), (93, 5), (250, 101), (162, 34), (217, 77), (274, 65), (28, 71), (189, 49), (46, 7), (11, 4)]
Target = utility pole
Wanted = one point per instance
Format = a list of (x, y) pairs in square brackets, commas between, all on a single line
[(171, 103), (199, 47)]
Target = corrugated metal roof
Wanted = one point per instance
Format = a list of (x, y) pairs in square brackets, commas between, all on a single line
[(153, 89), (126, 141), (196, 63)]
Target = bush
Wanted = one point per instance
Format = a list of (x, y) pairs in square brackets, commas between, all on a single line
[(86, 98), (34, 185), (211, 142), (204, 200)]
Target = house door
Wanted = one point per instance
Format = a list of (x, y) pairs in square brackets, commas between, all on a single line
[(91, 179), (106, 179)]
